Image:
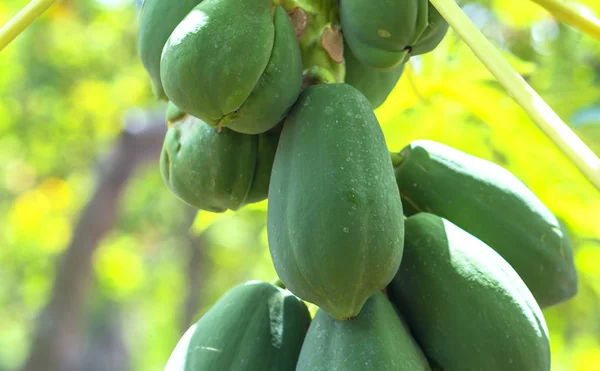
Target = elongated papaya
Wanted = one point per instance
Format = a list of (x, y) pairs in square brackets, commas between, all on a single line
[(466, 307), (335, 218), (375, 340), (234, 63), (489, 202), (384, 34), (374, 84), (157, 20), (216, 170), (253, 327)]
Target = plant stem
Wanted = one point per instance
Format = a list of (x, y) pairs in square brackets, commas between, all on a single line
[(537, 109), (22, 20), (585, 22)]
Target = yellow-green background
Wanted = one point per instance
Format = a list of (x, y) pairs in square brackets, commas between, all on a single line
[(66, 84)]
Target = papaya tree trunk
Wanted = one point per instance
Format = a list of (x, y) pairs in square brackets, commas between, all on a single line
[(57, 340)]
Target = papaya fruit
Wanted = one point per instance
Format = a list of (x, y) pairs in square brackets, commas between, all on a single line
[(253, 327), (374, 84), (466, 307), (216, 170), (174, 114), (376, 339), (334, 225), (384, 34), (489, 202), (234, 64), (158, 19)]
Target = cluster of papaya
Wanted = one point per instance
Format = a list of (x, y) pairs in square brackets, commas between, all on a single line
[(427, 259)]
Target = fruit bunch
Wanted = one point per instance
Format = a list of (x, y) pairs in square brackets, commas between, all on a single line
[(427, 259)]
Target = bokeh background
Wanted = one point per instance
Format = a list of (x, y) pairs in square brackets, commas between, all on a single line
[(102, 268)]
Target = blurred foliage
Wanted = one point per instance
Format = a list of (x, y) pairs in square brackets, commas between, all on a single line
[(66, 83)]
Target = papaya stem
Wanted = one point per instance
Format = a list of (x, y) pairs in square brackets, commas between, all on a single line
[(583, 21), (537, 109), (22, 20)]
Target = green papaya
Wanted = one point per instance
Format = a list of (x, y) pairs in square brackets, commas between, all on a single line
[(466, 307), (253, 327), (157, 20), (234, 64), (384, 34), (216, 169), (489, 202), (174, 113), (374, 84), (335, 223), (375, 340)]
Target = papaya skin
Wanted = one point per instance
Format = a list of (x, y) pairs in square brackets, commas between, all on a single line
[(466, 307), (492, 204), (208, 168), (234, 63), (335, 223), (384, 34), (375, 340), (255, 327), (375, 85), (157, 20)]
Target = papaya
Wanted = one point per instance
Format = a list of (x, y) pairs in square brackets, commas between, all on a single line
[(466, 307), (489, 202), (158, 19), (234, 64), (216, 170), (174, 114), (253, 327), (334, 223), (384, 34), (376, 339), (374, 84)]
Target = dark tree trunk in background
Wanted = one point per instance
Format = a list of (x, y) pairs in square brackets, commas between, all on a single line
[(196, 274), (57, 341)]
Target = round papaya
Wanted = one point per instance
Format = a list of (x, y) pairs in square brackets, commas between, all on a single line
[(253, 327), (377, 339), (335, 223), (374, 84), (489, 202), (216, 169), (466, 307), (384, 34), (234, 64), (157, 20)]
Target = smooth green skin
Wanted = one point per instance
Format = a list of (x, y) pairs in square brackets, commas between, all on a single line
[(385, 33), (465, 306), (267, 146), (374, 84), (208, 169), (375, 340), (234, 63), (278, 87), (157, 20), (174, 113), (253, 327), (492, 204), (335, 219)]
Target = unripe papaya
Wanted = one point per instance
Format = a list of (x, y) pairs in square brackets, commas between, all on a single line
[(157, 20), (374, 84), (466, 307), (376, 339), (334, 217), (253, 327), (214, 169), (234, 63), (384, 34), (489, 202)]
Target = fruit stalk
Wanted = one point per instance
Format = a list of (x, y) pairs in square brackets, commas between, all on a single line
[(22, 20), (537, 109), (561, 10)]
